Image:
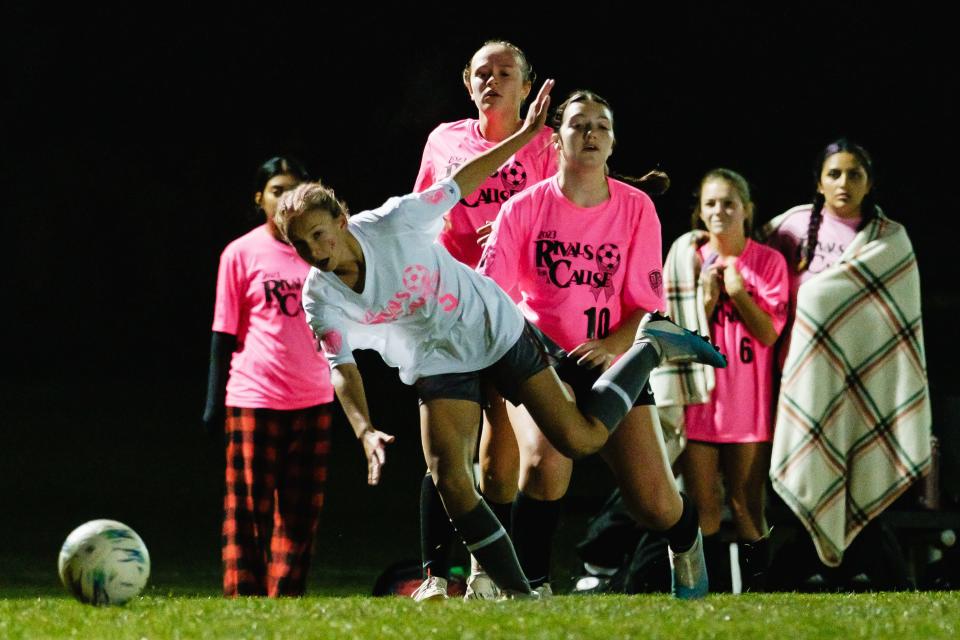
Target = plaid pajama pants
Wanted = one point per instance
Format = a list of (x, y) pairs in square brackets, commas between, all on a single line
[(276, 471)]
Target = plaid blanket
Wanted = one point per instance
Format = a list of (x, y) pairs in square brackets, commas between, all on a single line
[(853, 419), (676, 385)]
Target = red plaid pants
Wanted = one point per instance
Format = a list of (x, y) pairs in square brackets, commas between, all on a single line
[(276, 471)]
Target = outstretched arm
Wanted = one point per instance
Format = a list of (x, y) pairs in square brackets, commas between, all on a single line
[(473, 173), (349, 387)]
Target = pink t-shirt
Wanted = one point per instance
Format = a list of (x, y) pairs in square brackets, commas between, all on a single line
[(580, 270), (790, 239), (740, 406), (452, 144), (833, 238), (276, 364)]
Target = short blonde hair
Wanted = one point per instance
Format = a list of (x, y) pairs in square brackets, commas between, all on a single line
[(308, 196)]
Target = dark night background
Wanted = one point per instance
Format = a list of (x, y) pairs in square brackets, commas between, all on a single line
[(130, 138)]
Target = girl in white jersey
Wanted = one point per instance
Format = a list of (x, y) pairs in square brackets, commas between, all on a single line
[(379, 281), (498, 79), (584, 252)]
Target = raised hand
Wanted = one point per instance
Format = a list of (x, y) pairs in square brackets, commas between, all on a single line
[(537, 112)]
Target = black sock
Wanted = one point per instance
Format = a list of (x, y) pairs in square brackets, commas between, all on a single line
[(500, 509), (615, 391), (534, 524), (683, 533), (436, 532), (754, 560), (489, 543), (717, 554)]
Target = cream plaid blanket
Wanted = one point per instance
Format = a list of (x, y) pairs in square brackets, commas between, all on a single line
[(853, 419), (676, 385)]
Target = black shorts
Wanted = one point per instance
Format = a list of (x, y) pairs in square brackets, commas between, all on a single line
[(581, 380), (531, 353)]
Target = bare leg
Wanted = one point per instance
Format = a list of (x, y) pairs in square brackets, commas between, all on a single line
[(449, 431), (700, 465), (745, 468), (637, 456), (499, 453)]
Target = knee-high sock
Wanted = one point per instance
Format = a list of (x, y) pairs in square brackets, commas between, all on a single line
[(683, 533), (534, 524), (500, 509), (615, 391), (436, 532), (491, 546)]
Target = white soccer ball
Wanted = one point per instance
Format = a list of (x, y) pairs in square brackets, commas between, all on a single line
[(104, 562)]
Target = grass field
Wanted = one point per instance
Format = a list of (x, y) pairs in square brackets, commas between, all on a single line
[(882, 615)]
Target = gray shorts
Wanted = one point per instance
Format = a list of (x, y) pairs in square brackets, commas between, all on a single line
[(532, 353)]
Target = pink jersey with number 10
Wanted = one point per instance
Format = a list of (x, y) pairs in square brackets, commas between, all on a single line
[(452, 144), (580, 270)]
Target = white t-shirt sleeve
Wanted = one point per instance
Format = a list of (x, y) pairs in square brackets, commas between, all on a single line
[(329, 329), (424, 211)]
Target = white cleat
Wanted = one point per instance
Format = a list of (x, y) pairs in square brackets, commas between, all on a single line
[(481, 587), (433, 588)]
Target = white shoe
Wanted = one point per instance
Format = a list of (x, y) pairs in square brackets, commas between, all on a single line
[(433, 588), (517, 595), (676, 344), (481, 587), (544, 590)]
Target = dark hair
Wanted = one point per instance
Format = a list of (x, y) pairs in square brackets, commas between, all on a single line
[(653, 182), (529, 75), (276, 166), (743, 190), (868, 208)]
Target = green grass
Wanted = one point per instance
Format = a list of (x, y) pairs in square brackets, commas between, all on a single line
[(880, 615)]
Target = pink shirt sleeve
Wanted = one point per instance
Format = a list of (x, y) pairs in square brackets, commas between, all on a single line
[(230, 288), (501, 255), (643, 289), (425, 177), (773, 290)]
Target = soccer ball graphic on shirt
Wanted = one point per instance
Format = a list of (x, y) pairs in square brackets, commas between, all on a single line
[(608, 258), (104, 562), (514, 176)]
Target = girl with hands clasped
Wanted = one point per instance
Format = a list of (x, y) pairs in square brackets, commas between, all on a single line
[(742, 289)]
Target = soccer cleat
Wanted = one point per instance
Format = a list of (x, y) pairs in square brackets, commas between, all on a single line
[(433, 588), (676, 344), (519, 595), (481, 587), (688, 572)]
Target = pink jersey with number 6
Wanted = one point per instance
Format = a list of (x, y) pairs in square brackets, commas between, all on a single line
[(741, 404), (580, 270)]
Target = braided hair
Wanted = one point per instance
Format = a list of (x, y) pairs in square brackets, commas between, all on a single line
[(868, 208)]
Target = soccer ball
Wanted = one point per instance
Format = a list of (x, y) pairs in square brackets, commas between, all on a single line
[(608, 258), (514, 177), (104, 562)]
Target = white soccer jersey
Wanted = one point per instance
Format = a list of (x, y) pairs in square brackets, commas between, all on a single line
[(421, 310)]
